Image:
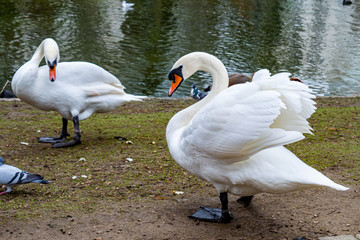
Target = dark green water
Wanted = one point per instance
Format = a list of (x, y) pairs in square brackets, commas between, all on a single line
[(317, 41)]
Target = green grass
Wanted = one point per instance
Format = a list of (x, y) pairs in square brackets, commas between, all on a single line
[(152, 173)]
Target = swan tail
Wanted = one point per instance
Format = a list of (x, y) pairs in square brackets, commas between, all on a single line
[(338, 187), (278, 170), (313, 177), (326, 182), (107, 103), (131, 97), (323, 181)]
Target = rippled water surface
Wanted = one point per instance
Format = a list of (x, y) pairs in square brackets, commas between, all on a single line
[(317, 41)]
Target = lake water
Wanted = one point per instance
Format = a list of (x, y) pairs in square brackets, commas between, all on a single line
[(316, 40)]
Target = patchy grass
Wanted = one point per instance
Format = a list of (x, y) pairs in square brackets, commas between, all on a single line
[(139, 168), (335, 142)]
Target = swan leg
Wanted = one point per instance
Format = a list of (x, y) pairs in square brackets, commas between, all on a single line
[(77, 136), (62, 137), (245, 200), (207, 214), (226, 215)]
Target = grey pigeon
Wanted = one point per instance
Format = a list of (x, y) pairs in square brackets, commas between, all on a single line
[(196, 93), (11, 176)]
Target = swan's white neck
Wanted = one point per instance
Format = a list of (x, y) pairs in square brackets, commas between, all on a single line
[(39, 54), (48, 49), (26, 75), (219, 74)]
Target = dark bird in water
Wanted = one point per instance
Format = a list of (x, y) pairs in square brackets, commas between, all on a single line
[(7, 94)]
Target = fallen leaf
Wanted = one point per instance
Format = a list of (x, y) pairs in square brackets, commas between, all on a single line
[(160, 198)]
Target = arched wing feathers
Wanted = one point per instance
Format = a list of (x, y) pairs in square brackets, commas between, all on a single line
[(246, 118)]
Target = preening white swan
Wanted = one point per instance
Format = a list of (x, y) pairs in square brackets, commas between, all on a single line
[(234, 137), (74, 89)]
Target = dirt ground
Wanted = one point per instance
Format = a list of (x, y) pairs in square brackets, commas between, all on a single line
[(308, 214), (305, 214)]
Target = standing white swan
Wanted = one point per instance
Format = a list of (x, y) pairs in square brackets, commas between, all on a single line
[(234, 137), (74, 89)]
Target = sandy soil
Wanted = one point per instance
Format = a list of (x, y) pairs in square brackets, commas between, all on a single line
[(308, 214)]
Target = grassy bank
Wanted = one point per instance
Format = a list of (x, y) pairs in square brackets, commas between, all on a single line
[(140, 168)]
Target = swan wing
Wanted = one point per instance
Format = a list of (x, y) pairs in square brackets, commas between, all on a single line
[(79, 73), (236, 124), (93, 90), (92, 79), (247, 118), (295, 95)]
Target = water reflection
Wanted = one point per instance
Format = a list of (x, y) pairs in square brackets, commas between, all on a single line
[(318, 41)]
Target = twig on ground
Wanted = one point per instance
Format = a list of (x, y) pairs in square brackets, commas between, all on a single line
[(4, 87)]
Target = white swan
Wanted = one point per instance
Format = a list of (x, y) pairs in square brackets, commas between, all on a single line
[(74, 89), (234, 137)]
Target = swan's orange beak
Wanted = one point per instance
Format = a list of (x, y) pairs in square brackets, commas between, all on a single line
[(52, 73), (175, 84)]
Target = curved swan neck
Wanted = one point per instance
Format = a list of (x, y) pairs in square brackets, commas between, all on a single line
[(39, 54), (218, 73), (212, 65), (48, 49)]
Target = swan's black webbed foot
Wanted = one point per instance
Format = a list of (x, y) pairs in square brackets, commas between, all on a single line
[(222, 215), (53, 139), (76, 139), (74, 142), (208, 214), (245, 200), (62, 137)]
